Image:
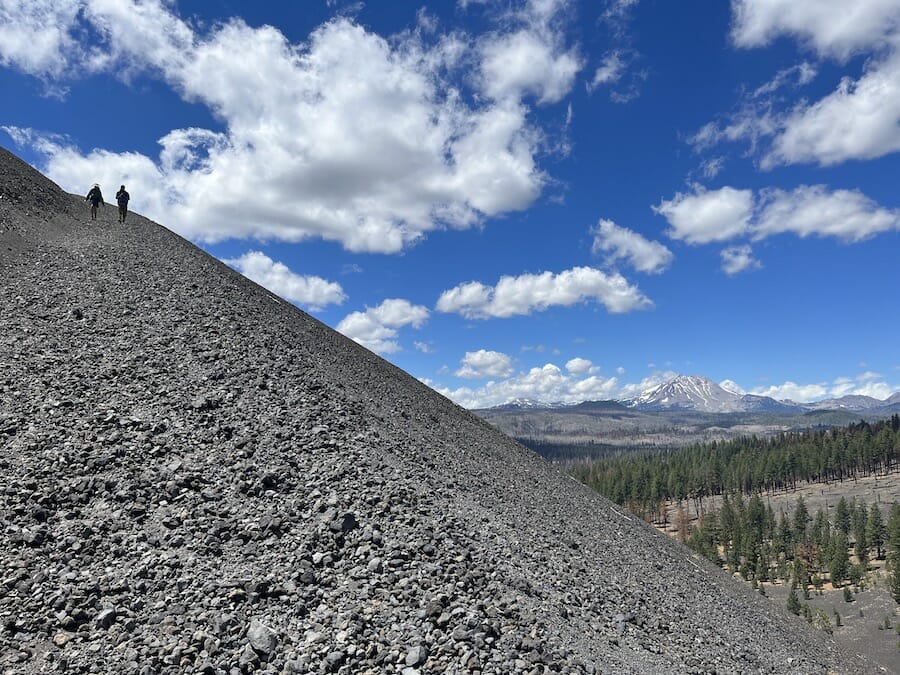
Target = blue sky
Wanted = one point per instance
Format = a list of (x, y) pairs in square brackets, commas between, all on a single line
[(550, 199)]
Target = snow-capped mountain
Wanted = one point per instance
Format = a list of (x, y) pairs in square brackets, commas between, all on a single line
[(692, 392)]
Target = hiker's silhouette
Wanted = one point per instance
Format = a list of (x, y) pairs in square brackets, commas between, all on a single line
[(95, 197), (122, 198)]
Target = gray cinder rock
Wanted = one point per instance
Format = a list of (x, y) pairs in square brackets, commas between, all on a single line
[(106, 617), (417, 656), (262, 638)]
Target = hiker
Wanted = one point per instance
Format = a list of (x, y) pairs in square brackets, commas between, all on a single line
[(95, 197), (122, 198)]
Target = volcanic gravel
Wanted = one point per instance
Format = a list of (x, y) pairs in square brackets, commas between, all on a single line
[(197, 477)]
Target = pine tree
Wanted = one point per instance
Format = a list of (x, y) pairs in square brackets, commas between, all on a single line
[(793, 601), (822, 622), (820, 534), (860, 517), (861, 548), (894, 583), (893, 536), (859, 533), (761, 572), (754, 531), (839, 564), (800, 577), (784, 538), (893, 550), (770, 522), (801, 520), (842, 521), (876, 531)]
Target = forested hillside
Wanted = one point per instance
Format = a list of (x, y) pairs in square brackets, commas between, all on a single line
[(643, 481)]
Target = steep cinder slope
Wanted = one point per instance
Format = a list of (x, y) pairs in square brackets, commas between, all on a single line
[(198, 477)]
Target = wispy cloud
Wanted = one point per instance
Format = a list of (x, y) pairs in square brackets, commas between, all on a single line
[(798, 75), (620, 243), (609, 71), (737, 259), (858, 120)]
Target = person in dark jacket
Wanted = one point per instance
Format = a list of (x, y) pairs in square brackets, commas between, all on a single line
[(122, 198), (95, 197)]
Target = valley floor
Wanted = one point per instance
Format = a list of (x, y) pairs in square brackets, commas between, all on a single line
[(883, 490), (870, 624), (863, 627)]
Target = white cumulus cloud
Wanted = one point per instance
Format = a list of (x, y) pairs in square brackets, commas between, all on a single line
[(527, 62), (528, 293), (485, 363), (860, 119), (831, 27), (377, 328), (580, 366), (546, 383), (728, 213), (306, 290), (621, 243), (865, 384), (708, 215), (789, 390), (349, 136), (35, 35), (732, 386), (814, 210), (549, 384)]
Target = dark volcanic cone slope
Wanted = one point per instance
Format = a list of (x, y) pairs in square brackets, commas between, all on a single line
[(197, 477)]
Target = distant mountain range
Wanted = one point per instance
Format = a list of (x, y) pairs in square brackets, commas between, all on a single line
[(700, 394)]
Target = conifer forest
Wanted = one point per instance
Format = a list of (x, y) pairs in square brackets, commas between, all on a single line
[(744, 535)]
